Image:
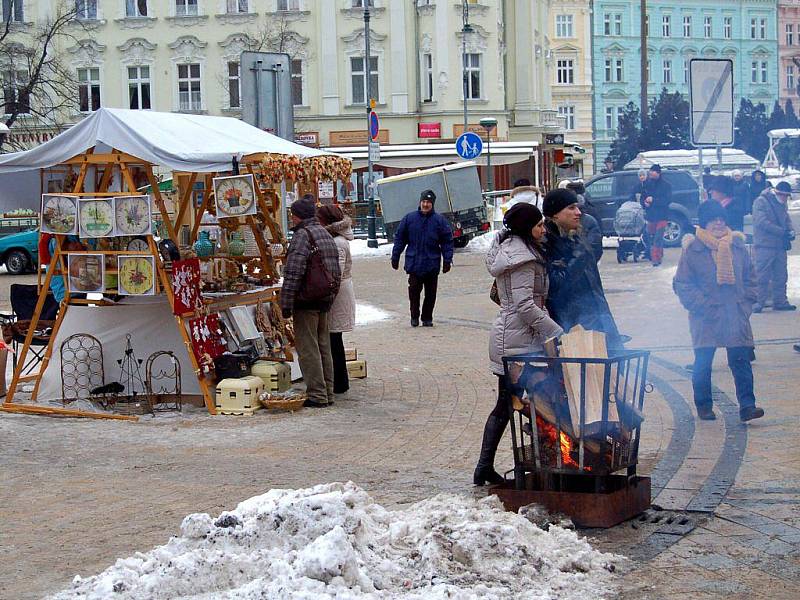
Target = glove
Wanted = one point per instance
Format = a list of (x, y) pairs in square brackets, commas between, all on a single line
[(446, 268), (395, 264), (286, 313)]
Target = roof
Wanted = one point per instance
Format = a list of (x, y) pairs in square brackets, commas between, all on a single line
[(178, 141), (731, 158)]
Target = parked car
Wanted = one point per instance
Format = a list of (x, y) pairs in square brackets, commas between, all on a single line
[(607, 192), (19, 252)]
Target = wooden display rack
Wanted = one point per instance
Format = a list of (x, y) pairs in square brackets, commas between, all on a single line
[(268, 214)]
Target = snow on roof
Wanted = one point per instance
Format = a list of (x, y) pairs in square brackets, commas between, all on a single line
[(783, 133), (731, 158)]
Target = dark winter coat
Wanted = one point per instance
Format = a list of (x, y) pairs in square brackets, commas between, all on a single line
[(740, 206), (576, 295), (771, 222), (297, 262), (427, 241), (590, 229), (719, 315), (661, 191), (755, 187), (638, 188)]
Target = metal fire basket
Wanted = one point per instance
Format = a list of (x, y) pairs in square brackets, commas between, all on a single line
[(575, 417)]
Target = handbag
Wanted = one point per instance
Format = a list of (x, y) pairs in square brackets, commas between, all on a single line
[(493, 293), (318, 283)]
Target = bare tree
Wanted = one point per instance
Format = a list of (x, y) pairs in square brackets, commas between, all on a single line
[(38, 88)]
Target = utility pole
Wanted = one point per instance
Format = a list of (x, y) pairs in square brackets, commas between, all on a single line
[(372, 238), (466, 29), (643, 66)]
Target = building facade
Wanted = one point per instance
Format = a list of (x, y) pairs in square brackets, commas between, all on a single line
[(789, 50), (183, 56), (742, 30)]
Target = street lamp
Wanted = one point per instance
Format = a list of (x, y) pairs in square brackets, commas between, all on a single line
[(372, 238), (466, 29), (489, 123)]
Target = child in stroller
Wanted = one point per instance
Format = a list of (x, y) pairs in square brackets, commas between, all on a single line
[(629, 224)]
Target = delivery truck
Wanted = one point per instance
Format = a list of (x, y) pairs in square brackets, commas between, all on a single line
[(458, 198)]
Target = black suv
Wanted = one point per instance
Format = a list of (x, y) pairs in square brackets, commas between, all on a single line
[(606, 192)]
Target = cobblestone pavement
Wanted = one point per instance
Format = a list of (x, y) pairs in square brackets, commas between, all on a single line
[(77, 494)]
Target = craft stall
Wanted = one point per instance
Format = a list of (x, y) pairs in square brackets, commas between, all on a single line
[(168, 296)]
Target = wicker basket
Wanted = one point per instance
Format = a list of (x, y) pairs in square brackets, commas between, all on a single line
[(282, 401)]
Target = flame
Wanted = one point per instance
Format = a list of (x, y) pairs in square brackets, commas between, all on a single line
[(549, 434)]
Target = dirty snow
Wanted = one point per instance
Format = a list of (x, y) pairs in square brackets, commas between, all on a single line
[(793, 287), (333, 541), (366, 314), (358, 247)]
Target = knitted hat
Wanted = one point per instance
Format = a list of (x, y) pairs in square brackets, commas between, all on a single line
[(305, 208), (710, 210), (783, 187), (428, 195), (521, 218), (656, 168), (720, 183), (557, 200)]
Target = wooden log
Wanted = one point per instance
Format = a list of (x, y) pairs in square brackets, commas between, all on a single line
[(55, 411)]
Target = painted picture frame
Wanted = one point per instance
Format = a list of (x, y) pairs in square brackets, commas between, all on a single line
[(243, 323), (96, 217), (235, 196), (59, 214), (86, 273), (136, 275), (133, 215)]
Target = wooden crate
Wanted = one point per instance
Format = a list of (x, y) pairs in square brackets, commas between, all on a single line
[(357, 369), (239, 396), (350, 354), (277, 376)]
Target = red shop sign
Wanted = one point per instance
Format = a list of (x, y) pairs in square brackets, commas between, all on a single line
[(429, 130)]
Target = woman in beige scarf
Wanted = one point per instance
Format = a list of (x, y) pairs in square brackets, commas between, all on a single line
[(715, 282)]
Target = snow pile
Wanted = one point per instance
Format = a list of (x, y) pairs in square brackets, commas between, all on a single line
[(333, 541), (481, 243), (366, 314), (358, 247)]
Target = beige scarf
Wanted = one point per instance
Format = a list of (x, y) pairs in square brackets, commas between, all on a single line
[(722, 253)]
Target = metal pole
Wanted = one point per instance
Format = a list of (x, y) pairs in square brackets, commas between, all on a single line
[(490, 175), (464, 30), (643, 66), (257, 69), (700, 174), (372, 238)]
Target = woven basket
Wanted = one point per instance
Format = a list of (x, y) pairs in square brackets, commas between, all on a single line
[(287, 401)]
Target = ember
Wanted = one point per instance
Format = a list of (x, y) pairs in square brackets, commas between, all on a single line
[(547, 437)]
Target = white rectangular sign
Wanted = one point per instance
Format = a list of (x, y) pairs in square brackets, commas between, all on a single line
[(374, 151), (711, 101)]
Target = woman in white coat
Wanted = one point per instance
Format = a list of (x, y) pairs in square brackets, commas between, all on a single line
[(342, 316), (516, 261)]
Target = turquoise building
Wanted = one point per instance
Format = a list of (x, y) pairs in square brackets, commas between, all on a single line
[(677, 31)]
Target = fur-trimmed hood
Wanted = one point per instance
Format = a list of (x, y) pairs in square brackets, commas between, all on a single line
[(739, 239), (525, 189), (343, 228)]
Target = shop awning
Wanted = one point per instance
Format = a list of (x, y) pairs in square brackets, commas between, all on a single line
[(420, 156)]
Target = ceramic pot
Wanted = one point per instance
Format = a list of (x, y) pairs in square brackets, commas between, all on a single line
[(236, 244), (203, 246)]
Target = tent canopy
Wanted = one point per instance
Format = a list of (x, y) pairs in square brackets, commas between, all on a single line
[(181, 142)]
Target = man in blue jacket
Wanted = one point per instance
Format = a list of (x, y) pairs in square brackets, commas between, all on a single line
[(426, 237)]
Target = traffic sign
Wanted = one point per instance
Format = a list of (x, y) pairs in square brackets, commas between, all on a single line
[(469, 145), (711, 101), (374, 151), (374, 125)]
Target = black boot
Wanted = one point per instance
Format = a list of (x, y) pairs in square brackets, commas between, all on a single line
[(492, 434)]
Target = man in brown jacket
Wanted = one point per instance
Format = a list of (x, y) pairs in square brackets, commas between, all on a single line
[(309, 308)]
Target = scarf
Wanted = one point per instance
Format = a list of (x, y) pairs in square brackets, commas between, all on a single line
[(722, 253)]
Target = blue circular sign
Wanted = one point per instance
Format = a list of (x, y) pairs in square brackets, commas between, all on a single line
[(469, 145), (374, 125)]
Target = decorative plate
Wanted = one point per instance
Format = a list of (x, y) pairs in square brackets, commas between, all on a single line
[(136, 275), (86, 272), (235, 196), (138, 245), (97, 217), (132, 215), (59, 214)]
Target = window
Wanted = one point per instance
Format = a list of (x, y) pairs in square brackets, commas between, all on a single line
[(666, 69), (565, 71), (568, 111), (88, 89), (753, 28), (289, 5), (12, 11), (612, 115), (687, 26), (139, 87), (473, 69), (564, 26), (612, 24), (614, 70), (86, 10), (727, 27), (764, 78), (189, 94), (686, 71), (789, 34), (427, 77), (297, 82), (790, 76), (234, 85), (762, 29), (135, 8), (237, 6), (184, 8), (360, 3), (617, 23), (708, 26), (758, 71), (666, 26), (359, 81), (16, 98)]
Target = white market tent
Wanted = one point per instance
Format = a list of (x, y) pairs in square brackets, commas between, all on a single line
[(732, 158)]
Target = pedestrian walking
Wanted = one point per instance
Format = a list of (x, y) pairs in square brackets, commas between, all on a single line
[(715, 282), (741, 196), (427, 240), (311, 280), (576, 295), (773, 234), (758, 183), (516, 261), (656, 199), (342, 316)]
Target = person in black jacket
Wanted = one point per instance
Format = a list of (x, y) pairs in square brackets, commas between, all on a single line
[(723, 190), (576, 295), (656, 199), (758, 181)]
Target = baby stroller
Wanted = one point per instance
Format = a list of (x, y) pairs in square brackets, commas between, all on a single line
[(629, 224)]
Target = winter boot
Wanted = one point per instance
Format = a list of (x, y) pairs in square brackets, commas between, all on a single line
[(492, 434)]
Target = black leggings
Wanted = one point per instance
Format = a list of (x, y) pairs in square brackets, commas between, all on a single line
[(341, 381)]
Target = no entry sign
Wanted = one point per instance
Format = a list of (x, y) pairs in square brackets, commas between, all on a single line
[(374, 125)]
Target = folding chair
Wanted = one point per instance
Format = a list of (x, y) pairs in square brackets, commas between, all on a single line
[(15, 325)]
